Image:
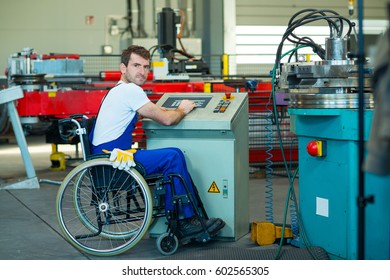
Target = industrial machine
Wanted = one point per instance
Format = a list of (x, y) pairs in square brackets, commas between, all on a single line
[(56, 86), (324, 103), (214, 139), (50, 84), (174, 64)]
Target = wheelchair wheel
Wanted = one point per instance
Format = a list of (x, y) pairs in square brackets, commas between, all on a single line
[(102, 210), (167, 244)]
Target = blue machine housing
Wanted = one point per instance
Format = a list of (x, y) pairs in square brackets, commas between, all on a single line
[(328, 186)]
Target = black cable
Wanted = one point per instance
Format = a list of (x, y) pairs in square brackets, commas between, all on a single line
[(311, 15), (306, 41), (173, 51), (152, 50), (309, 18), (130, 19), (139, 18)]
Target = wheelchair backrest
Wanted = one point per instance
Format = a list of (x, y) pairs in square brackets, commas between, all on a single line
[(87, 124), (81, 128)]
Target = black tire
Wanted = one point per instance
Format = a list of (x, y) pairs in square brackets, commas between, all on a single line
[(167, 244)]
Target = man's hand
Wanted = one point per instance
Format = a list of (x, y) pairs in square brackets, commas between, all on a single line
[(164, 116), (122, 159), (186, 106)]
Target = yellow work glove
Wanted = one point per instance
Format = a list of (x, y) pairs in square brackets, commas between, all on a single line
[(122, 159)]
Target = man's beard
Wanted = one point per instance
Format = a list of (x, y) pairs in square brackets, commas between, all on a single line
[(139, 80)]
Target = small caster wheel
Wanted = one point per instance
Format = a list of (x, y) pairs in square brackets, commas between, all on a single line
[(167, 244)]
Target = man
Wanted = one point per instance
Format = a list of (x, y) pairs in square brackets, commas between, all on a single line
[(116, 121)]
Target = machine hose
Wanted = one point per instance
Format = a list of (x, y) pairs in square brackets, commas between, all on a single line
[(52, 182), (294, 220), (293, 206), (269, 164)]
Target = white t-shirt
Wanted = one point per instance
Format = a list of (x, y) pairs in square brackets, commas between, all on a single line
[(117, 111)]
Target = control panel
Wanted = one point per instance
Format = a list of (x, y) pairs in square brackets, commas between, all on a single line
[(214, 111), (214, 140)]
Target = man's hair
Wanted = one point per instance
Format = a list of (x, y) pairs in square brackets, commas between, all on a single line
[(141, 51)]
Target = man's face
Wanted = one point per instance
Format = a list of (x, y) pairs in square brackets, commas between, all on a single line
[(136, 71)]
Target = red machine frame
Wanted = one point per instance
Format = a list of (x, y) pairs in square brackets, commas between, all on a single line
[(57, 104)]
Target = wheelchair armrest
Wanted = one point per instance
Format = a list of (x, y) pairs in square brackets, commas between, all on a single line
[(140, 168), (154, 177), (94, 156)]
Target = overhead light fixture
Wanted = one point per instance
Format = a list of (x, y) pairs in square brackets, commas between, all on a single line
[(107, 49), (114, 28)]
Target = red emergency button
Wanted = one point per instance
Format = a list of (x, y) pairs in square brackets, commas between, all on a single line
[(316, 148)]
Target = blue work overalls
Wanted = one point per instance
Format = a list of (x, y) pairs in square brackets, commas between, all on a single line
[(157, 161)]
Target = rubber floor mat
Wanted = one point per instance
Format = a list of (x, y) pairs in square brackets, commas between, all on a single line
[(236, 253)]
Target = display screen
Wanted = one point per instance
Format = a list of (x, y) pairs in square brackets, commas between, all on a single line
[(174, 101)]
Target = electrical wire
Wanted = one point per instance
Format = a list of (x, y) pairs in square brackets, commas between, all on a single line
[(181, 31), (293, 206), (129, 27), (290, 191), (306, 16), (173, 51), (294, 209)]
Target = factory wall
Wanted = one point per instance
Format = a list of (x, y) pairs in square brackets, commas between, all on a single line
[(83, 27)]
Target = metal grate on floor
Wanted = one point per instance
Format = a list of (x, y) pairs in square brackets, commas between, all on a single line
[(236, 253)]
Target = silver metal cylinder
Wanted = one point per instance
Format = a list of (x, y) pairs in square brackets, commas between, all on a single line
[(28, 65), (329, 101), (335, 49)]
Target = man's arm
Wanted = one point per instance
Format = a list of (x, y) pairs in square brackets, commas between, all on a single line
[(166, 117)]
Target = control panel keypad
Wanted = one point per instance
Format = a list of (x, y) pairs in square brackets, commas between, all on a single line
[(222, 106)]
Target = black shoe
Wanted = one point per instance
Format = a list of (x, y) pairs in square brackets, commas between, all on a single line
[(193, 226), (207, 222), (216, 226), (188, 227)]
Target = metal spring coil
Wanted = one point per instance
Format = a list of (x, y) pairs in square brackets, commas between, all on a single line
[(269, 164)]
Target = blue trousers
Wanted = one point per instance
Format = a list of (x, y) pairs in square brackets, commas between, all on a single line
[(165, 161)]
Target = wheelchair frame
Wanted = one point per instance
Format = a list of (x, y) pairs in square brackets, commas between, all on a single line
[(105, 211)]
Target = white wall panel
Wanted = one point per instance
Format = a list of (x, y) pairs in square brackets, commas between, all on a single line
[(278, 12)]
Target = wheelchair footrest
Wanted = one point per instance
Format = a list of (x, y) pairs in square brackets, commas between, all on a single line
[(201, 237)]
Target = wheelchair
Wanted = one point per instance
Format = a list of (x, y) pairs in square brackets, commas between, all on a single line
[(105, 211)]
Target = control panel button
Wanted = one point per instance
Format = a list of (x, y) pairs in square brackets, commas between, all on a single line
[(222, 106), (316, 148)]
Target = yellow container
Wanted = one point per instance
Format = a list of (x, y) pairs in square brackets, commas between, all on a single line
[(58, 161), (266, 233)]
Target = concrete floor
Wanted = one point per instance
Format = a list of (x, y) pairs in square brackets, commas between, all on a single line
[(29, 229)]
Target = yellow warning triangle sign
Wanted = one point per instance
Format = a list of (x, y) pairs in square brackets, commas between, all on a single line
[(213, 188)]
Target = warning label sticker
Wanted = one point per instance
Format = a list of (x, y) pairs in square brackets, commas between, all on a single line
[(213, 188)]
